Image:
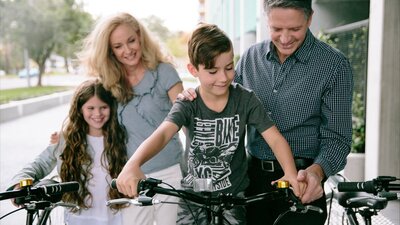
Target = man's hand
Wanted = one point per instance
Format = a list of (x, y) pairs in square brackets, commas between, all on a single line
[(188, 94), (312, 177)]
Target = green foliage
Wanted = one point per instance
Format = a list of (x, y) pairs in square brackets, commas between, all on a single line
[(354, 45), (15, 94), (41, 27), (177, 45)]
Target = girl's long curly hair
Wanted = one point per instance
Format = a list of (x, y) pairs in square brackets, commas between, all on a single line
[(77, 162)]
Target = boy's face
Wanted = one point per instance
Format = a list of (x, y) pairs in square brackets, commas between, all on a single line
[(215, 81)]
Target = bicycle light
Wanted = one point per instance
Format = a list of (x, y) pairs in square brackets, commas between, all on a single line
[(202, 185)]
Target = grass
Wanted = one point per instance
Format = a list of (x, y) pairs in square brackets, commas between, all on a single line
[(16, 94)]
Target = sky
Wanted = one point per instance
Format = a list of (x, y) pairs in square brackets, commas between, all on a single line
[(178, 15)]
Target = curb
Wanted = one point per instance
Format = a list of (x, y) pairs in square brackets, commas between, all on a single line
[(17, 109)]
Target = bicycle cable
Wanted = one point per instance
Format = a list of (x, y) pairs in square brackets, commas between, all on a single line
[(14, 211)]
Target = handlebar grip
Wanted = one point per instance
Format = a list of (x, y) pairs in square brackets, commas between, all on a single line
[(367, 186), (389, 195), (142, 184), (54, 189)]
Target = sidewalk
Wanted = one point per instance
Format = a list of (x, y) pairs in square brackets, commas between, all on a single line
[(14, 110)]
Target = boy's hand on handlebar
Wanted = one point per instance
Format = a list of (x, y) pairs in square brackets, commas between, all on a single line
[(188, 94), (297, 187), (128, 179)]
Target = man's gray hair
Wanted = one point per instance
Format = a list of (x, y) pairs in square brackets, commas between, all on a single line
[(304, 5)]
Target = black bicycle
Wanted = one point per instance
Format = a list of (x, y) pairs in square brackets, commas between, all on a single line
[(214, 205), (365, 198), (40, 199)]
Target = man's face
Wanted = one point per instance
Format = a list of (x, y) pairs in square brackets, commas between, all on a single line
[(288, 28)]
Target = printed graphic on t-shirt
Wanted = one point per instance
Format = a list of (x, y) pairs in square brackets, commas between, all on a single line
[(211, 150)]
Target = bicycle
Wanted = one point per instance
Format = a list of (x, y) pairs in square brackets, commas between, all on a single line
[(214, 205), (40, 199), (363, 198)]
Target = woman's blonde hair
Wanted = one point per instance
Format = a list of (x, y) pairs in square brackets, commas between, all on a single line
[(98, 58)]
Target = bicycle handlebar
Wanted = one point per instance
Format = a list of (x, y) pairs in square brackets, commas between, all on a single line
[(149, 187), (372, 186), (42, 190)]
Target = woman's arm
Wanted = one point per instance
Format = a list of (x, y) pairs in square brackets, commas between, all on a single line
[(174, 91)]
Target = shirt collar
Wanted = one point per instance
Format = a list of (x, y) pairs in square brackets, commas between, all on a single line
[(302, 54)]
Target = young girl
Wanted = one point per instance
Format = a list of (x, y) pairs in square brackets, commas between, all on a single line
[(91, 151)]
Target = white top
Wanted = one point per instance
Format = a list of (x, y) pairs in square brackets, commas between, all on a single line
[(98, 213)]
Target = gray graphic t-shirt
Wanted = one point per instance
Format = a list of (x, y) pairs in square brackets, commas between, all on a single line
[(216, 149)]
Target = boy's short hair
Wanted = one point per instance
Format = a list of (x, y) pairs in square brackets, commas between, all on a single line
[(206, 43)]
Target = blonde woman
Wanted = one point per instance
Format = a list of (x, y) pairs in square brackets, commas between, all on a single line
[(132, 66)]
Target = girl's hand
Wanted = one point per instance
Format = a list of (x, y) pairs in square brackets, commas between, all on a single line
[(54, 138), (16, 187)]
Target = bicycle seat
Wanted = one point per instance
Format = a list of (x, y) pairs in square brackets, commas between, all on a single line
[(360, 199)]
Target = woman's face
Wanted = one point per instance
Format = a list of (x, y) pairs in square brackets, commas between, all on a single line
[(125, 44), (96, 113)]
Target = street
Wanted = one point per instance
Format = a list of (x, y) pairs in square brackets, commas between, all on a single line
[(21, 140), (56, 80)]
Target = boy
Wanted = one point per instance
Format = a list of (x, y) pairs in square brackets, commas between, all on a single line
[(216, 124)]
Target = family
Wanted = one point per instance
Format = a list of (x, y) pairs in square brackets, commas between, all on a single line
[(282, 112)]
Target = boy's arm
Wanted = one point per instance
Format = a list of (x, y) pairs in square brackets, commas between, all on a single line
[(283, 154), (131, 174)]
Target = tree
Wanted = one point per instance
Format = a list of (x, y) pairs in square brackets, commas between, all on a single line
[(75, 25), (40, 26)]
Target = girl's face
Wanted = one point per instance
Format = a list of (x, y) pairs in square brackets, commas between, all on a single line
[(125, 44), (288, 29), (96, 113), (215, 81)]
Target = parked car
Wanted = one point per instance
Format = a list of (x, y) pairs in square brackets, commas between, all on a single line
[(33, 72)]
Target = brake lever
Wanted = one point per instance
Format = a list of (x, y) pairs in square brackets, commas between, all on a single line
[(299, 207)]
